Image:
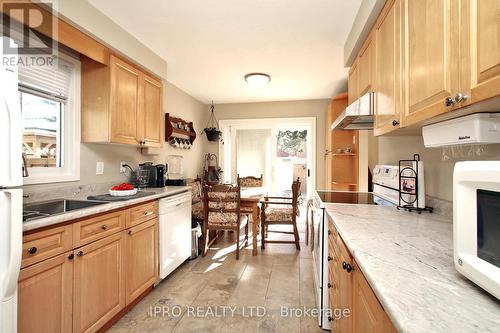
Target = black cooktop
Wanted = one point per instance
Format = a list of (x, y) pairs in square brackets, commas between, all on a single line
[(364, 198)]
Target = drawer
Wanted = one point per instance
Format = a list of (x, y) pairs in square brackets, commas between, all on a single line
[(98, 227), (142, 213), (343, 251), (45, 244)]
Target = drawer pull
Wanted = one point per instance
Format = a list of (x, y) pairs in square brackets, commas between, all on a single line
[(344, 265), (71, 256), (330, 258), (329, 285), (349, 268), (330, 319), (148, 213), (130, 232), (80, 253), (104, 227), (329, 232), (32, 250)]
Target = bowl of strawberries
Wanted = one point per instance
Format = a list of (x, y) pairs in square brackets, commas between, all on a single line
[(122, 190)]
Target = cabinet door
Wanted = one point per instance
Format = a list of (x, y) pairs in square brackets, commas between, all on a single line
[(45, 296), (366, 67), (98, 283), (485, 45), (388, 68), (151, 112), (141, 259), (431, 48), (368, 314), (352, 83), (124, 101)]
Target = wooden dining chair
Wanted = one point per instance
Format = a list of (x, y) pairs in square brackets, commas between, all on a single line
[(251, 181), (281, 211), (222, 213)]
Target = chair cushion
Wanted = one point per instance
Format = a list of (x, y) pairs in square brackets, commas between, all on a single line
[(279, 214), (216, 219), (197, 210), (195, 191)]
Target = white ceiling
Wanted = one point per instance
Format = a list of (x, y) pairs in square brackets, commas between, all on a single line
[(211, 44)]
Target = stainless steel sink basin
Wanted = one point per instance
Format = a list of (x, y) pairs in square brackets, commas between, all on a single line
[(38, 210)]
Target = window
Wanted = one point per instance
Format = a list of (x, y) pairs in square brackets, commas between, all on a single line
[(50, 104)]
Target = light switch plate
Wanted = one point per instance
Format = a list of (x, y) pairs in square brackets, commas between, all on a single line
[(99, 168)]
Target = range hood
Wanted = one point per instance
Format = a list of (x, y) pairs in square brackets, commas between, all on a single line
[(477, 128), (357, 116)]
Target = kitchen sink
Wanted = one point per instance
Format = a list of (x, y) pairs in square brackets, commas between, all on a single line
[(38, 210)]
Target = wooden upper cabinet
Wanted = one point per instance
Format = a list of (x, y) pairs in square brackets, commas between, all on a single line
[(387, 36), (151, 111), (125, 84), (484, 30), (99, 283), (45, 296), (120, 104), (352, 83), (431, 49), (366, 67), (368, 314)]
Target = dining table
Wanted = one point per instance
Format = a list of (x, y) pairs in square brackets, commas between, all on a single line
[(250, 198)]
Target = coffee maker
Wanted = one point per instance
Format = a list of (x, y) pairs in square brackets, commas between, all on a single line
[(156, 174)]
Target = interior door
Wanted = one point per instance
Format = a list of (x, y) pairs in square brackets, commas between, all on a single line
[(431, 49), (125, 85)]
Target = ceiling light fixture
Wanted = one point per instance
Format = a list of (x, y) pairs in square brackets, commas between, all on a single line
[(257, 79)]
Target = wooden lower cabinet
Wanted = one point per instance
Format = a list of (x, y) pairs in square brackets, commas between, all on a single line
[(82, 289), (350, 290), (141, 265), (45, 296), (99, 281)]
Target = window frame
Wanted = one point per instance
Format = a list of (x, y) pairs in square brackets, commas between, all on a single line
[(70, 133)]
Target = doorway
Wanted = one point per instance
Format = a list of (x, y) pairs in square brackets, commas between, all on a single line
[(279, 149)]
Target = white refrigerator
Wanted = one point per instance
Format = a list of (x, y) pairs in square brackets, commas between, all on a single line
[(11, 195)]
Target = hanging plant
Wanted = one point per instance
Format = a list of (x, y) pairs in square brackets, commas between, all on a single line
[(212, 129)]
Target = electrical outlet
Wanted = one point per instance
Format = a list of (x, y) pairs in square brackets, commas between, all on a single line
[(122, 167), (99, 168)]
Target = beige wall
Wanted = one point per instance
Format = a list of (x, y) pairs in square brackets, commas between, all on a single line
[(438, 172), (287, 109), (176, 102)]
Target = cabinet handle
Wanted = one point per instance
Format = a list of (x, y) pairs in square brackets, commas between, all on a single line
[(329, 258), (329, 232), (32, 250), (330, 319), (449, 101), (459, 98), (80, 253), (395, 122), (104, 227), (344, 265), (129, 232), (148, 213), (71, 256), (349, 268), (329, 285)]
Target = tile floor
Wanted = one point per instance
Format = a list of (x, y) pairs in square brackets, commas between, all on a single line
[(251, 291)]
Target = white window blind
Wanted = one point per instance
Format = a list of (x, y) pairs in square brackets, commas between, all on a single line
[(54, 80)]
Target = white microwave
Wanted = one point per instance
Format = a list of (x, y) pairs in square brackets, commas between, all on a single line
[(476, 222)]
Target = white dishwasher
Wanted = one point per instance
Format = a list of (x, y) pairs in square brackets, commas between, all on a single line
[(174, 232)]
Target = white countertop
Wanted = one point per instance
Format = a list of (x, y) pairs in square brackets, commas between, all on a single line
[(408, 260), (76, 214)]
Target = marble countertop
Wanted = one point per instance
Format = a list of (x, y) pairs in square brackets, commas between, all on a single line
[(76, 214), (408, 260)]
